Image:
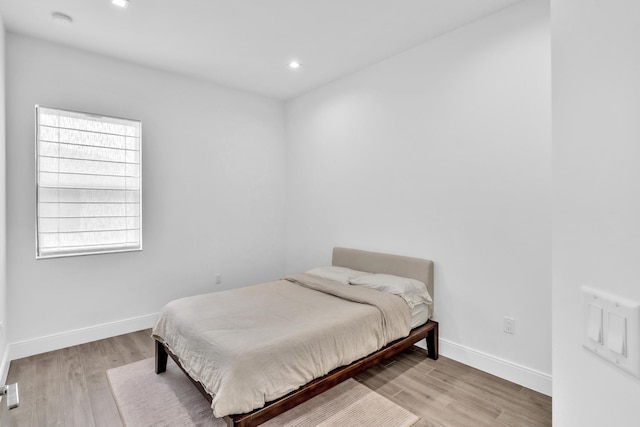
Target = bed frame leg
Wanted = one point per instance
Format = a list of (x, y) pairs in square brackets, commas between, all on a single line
[(232, 422), (432, 343), (161, 358)]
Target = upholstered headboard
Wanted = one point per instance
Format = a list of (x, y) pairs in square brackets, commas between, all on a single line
[(374, 262)]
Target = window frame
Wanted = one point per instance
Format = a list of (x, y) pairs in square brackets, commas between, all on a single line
[(40, 256)]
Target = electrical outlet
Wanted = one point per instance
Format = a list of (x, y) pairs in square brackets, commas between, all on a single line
[(218, 279), (509, 325)]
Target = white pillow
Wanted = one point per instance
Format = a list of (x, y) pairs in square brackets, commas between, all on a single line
[(412, 291), (338, 274)]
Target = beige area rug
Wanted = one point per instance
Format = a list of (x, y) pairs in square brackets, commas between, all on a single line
[(169, 399)]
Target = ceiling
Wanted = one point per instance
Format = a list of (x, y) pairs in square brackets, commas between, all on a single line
[(247, 44)]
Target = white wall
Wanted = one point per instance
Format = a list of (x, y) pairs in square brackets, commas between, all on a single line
[(213, 195), (442, 152), (596, 198), (4, 363)]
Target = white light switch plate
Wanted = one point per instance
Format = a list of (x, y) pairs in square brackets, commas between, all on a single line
[(620, 333)]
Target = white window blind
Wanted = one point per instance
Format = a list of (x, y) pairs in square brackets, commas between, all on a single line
[(89, 193)]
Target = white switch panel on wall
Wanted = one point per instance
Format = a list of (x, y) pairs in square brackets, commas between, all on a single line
[(612, 328)]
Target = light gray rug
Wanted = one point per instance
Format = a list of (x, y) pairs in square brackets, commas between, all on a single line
[(146, 399)]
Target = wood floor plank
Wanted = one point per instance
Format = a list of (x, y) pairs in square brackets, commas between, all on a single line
[(22, 418), (111, 354), (413, 362), (47, 388), (103, 408), (459, 414), (376, 380), (543, 398), (469, 400), (428, 395), (70, 364), (497, 382), (146, 344), (75, 402), (498, 395), (521, 420), (129, 348), (69, 387), (74, 397)]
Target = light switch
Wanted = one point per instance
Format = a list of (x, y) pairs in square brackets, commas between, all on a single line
[(611, 328), (617, 334), (594, 323)]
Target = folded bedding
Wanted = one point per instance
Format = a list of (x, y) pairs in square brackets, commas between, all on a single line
[(252, 345), (339, 274), (412, 291)]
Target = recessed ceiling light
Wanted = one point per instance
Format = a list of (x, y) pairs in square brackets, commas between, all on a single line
[(61, 18), (294, 65), (120, 3)]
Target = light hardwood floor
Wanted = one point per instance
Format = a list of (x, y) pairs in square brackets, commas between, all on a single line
[(69, 387)]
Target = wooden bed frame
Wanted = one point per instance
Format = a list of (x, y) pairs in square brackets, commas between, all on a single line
[(358, 260)]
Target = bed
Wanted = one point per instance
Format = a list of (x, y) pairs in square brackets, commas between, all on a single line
[(269, 347)]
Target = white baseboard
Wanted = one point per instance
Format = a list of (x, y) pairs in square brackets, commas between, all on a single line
[(4, 366), (526, 377), (18, 350)]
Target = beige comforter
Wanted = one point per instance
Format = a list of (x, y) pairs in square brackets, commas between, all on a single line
[(252, 345)]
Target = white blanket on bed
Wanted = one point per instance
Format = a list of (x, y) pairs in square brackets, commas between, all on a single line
[(252, 345)]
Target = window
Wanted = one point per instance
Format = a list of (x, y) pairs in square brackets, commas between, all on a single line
[(88, 183)]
